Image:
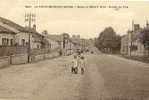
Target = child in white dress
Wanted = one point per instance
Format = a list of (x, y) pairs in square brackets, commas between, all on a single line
[(74, 68)]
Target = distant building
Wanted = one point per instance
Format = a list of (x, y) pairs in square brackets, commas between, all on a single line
[(131, 44), (76, 36), (124, 45), (53, 41), (67, 45), (61, 41)]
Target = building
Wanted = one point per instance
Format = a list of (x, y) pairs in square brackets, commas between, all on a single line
[(22, 36), (131, 44), (67, 45), (53, 41), (76, 36), (6, 37)]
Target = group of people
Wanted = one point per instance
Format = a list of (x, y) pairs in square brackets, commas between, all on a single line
[(78, 64)]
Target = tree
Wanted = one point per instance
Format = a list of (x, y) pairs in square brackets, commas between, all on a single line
[(144, 38), (108, 39)]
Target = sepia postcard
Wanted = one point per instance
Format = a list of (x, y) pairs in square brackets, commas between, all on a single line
[(74, 50)]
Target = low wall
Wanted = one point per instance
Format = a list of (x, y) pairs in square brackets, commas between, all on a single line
[(23, 58), (44, 56), (19, 59), (38, 57), (4, 61), (55, 54), (48, 56)]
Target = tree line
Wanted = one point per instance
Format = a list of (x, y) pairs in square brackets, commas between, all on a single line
[(108, 41)]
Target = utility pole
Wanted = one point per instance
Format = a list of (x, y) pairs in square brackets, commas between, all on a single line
[(131, 36), (29, 18)]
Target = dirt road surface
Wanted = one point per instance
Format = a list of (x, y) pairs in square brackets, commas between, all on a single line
[(106, 77)]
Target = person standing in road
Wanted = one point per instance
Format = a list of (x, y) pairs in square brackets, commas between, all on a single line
[(82, 64), (74, 68)]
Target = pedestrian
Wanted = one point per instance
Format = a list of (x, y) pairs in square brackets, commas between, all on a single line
[(82, 64), (74, 68)]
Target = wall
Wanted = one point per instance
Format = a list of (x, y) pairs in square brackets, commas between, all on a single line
[(6, 35), (54, 44), (19, 59), (38, 57), (124, 45), (44, 56), (4, 61), (48, 56), (140, 50), (7, 50), (23, 58), (36, 41), (20, 36)]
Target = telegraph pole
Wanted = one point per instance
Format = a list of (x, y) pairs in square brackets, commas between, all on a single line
[(131, 36), (29, 18)]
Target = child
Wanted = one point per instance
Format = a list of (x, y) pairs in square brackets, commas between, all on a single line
[(82, 64), (74, 68)]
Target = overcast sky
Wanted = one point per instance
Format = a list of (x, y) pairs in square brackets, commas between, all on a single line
[(88, 22)]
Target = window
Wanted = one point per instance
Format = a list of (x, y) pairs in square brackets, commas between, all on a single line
[(11, 42), (23, 42), (7, 41), (4, 41)]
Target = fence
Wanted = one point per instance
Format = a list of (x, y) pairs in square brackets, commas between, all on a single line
[(4, 61), (10, 50), (44, 54), (19, 59), (43, 51)]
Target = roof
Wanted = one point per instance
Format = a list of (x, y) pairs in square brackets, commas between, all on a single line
[(18, 27), (31, 30), (4, 30), (12, 24), (55, 37)]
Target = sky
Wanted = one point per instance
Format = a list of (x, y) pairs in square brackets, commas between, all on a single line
[(88, 22)]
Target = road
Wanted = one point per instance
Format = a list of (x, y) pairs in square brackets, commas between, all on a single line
[(107, 77)]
